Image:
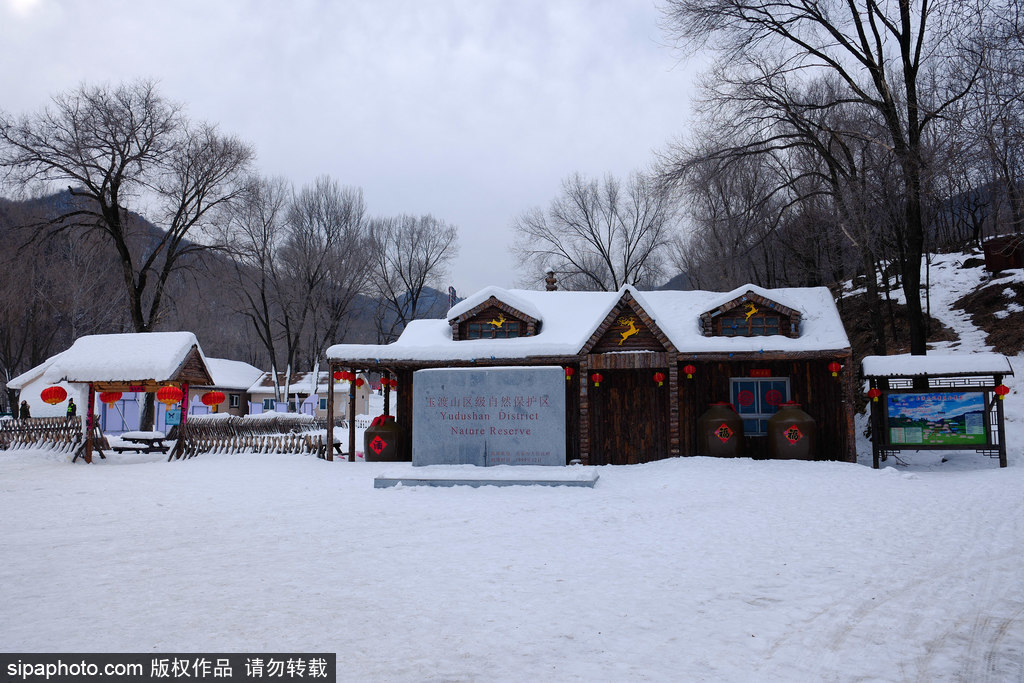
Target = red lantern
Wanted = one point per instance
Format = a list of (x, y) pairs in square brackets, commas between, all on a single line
[(874, 393), (1001, 391), (169, 395), (834, 368), (212, 398), (338, 375), (359, 382), (393, 383), (53, 395), (659, 377), (689, 370), (110, 397), (569, 372), (596, 378)]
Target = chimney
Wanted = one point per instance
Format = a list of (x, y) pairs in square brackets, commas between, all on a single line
[(550, 281)]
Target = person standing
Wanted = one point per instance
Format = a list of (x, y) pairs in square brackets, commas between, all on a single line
[(24, 412), (72, 408)]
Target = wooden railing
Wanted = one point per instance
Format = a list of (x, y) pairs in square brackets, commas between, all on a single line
[(52, 433), (283, 434)]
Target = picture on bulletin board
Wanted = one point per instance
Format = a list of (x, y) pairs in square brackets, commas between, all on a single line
[(937, 419)]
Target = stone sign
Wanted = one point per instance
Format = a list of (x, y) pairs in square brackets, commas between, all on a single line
[(489, 416)]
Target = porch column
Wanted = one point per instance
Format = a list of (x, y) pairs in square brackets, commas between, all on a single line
[(352, 418), (673, 406), (89, 423), (330, 412)]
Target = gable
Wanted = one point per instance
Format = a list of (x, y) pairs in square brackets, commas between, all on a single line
[(750, 315), (493, 319), (628, 327)]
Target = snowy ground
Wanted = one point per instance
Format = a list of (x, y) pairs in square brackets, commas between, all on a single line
[(693, 569)]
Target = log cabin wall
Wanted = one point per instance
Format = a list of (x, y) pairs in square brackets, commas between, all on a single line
[(572, 415), (823, 397), (403, 407)]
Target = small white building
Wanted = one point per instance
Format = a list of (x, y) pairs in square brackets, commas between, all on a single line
[(304, 397)]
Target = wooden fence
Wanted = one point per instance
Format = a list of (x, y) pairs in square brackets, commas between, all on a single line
[(51, 433), (283, 434)]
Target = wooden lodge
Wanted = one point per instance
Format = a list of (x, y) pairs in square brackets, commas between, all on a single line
[(642, 367)]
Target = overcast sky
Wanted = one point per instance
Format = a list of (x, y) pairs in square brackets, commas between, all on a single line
[(472, 111)]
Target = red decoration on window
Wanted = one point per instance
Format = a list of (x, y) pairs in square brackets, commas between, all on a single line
[(569, 372), (773, 397), (1001, 391), (874, 393), (745, 398), (213, 398), (596, 378), (53, 395), (659, 377), (689, 370), (834, 368), (169, 395)]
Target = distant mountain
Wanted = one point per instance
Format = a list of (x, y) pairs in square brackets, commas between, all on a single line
[(679, 282)]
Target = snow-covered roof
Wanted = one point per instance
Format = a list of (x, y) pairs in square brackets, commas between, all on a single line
[(510, 298), (905, 365), (232, 374), (299, 383), (569, 319), (18, 383), (155, 356)]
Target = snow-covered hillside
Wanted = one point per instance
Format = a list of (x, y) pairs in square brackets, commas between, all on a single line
[(693, 569)]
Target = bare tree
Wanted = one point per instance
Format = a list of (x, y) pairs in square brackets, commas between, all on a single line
[(598, 235), (883, 55), (407, 253), (301, 260), (115, 146)]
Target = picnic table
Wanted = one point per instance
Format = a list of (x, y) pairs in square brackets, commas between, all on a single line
[(141, 442)]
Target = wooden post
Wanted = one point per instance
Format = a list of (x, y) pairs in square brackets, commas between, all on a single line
[(674, 442), (584, 421), (89, 423), (179, 448), (330, 413), (876, 429), (387, 394), (352, 419), (1002, 424)]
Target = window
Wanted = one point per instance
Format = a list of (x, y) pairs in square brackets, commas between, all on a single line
[(484, 330), (235, 400), (756, 400), (754, 326), (323, 404), (268, 404)]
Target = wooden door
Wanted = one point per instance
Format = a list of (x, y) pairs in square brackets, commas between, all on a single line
[(628, 418)]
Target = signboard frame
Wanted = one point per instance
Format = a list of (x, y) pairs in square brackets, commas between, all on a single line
[(882, 443)]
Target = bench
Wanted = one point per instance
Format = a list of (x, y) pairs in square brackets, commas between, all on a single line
[(142, 442)]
